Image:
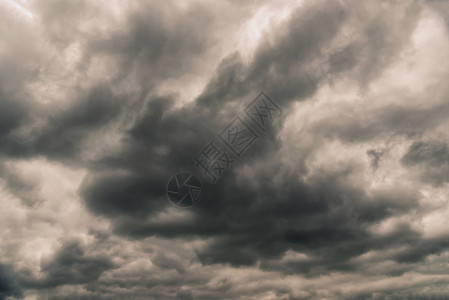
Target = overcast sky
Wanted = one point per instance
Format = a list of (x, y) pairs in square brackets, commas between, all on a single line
[(344, 196)]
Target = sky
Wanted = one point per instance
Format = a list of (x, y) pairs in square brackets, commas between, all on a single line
[(344, 195)]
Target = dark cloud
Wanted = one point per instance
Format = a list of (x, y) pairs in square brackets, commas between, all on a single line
[(303, 205), (12, 112), (154, 46), (149, 49), (432, 157), (286, 67), (393, 120), (432, 153), (198, 120), (70, 265), (20, 185), (8, 285), (65, 132), (253, 219), (163, 261), (375, 156)]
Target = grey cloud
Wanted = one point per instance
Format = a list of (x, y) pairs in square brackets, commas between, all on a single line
[(66, 128), (154, 46), (410, 122), (230, 84), (433, 153), (375, 156), (263, 207), (62, 19), (70, 265), (440, 7), (8, 284), (163, 261), (12, 111), (145, 50), (261, 228), (432, 157), (21, 185), (249, 226), (283, 68), (65, 131)]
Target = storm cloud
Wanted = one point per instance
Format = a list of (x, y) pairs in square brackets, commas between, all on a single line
[(343, 195)]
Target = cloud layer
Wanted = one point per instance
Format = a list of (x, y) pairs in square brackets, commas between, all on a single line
[(345, 196)]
